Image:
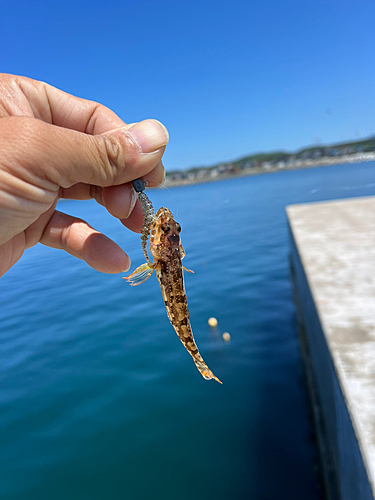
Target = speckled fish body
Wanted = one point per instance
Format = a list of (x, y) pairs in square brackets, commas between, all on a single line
[(167, 251)]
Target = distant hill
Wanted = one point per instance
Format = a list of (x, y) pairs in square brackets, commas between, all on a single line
[(274, 159)]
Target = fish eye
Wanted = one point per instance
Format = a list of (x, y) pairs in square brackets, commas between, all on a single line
[(165, 228), (178, 227)]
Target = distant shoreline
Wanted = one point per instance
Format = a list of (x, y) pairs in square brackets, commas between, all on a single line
[(297, 165)]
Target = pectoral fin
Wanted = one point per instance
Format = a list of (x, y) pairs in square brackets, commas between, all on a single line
[(188, 270), (140, 275), (182, 254)]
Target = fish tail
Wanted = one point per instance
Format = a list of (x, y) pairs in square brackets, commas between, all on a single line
[(204, 370)]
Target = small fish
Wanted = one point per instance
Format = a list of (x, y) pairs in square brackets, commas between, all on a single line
[(167, 251)]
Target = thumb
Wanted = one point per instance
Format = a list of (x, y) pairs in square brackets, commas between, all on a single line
[(65, 157)]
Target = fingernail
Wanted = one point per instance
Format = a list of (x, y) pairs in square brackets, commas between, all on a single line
[(150, 135), (133, 201)]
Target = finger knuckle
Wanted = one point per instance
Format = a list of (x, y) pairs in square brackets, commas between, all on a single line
[(116, 153), (107, 153)]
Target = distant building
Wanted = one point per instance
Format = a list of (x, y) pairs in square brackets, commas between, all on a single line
[(333, 152)]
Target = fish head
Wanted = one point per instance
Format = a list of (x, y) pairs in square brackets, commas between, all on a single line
[(164, 234)]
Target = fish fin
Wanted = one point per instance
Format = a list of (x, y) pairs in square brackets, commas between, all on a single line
[(182, 254), (182, 251), (140, 275), (188, 270)]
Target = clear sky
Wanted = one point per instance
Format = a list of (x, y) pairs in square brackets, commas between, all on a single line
[(228, 78)]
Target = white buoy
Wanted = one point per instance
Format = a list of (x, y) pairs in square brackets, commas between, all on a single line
[(226, 337), (212, 322)]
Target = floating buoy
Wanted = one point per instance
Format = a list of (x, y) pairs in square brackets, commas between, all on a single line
[(226, 337), (212, 322)]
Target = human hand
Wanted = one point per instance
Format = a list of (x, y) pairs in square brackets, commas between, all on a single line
[(54, 145)]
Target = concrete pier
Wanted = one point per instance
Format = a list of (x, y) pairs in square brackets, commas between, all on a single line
[(333, 273)]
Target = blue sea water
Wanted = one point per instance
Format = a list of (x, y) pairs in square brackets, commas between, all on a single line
[(98, 398)]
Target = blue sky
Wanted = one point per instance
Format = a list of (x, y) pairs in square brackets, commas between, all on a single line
[(226, 78)]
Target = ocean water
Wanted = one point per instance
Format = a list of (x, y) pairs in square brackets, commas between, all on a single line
[(98, 398)]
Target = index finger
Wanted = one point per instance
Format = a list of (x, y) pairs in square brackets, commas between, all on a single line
[(62, 109)]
